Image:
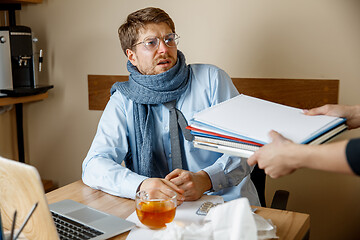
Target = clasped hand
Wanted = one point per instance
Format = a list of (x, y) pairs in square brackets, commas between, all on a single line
[(189, 186)]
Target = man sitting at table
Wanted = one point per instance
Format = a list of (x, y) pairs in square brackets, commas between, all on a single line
[(139, 124)]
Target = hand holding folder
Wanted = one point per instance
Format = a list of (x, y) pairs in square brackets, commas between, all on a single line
[(244, 122)]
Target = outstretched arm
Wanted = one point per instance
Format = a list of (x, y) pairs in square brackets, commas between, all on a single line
[(282, 157)]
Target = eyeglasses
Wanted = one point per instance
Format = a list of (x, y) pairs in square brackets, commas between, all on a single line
[(152, 43)]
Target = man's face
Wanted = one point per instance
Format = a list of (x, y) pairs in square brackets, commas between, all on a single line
[(151, 62)]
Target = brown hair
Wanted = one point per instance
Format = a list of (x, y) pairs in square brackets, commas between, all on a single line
[(129, 30)]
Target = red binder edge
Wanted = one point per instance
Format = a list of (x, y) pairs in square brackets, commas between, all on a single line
[(224, 136)]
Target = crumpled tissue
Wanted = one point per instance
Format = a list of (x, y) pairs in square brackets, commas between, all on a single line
[(232, 220), (179, 231)]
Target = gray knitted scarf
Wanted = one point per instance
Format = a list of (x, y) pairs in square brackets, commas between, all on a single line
[(144, 91)]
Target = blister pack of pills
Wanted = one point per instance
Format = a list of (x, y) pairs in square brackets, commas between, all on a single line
[(205, 208)]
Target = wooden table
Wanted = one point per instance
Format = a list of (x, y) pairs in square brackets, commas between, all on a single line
[(290, 225)]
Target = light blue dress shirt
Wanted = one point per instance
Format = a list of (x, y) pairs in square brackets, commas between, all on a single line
[(102, 169)]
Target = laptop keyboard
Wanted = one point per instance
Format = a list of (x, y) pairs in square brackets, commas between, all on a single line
[(70, 229)]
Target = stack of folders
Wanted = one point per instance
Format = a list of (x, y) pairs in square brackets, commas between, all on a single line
[(240, 126)]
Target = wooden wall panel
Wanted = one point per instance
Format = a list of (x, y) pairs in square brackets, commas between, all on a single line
[(99, 89), (301, 93)]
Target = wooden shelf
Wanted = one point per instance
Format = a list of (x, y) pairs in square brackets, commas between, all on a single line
[(15, 100)]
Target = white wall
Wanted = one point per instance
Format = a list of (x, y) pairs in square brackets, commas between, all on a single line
[(247, 38)]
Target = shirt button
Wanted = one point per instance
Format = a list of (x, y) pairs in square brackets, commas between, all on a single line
[(166, 129), (170, 155)]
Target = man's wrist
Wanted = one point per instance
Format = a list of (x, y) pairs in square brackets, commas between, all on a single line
[(139, 186), (217, 177), (206, 181)]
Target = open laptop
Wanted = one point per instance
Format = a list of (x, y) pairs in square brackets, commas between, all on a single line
[(21, 188)]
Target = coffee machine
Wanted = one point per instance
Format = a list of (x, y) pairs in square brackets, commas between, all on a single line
[(17, 65)]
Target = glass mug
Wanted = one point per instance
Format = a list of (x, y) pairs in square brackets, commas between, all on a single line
[(155, 207)]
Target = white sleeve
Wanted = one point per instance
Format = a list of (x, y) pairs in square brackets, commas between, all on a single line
[(102, 167)]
